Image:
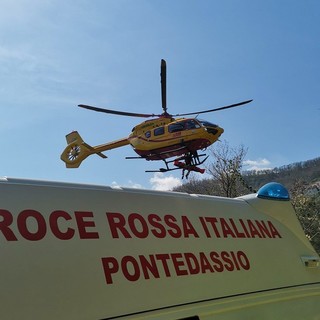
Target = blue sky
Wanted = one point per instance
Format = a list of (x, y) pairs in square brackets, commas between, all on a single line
[(57, 54)]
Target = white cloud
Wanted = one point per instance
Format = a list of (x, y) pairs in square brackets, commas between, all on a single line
[(129, 184), (161, 182), (259, 164)]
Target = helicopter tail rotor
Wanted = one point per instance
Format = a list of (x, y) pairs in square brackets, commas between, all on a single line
[(77, 150)]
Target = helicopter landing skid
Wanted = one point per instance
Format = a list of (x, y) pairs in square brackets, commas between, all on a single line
[(187, 163)]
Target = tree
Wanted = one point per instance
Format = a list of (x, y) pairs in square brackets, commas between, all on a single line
[(306, 202), (225, 169)]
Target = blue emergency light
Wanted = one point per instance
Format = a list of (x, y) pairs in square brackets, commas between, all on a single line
[(273, 191)]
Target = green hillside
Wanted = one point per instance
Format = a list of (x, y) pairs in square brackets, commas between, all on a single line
[(307, 172)]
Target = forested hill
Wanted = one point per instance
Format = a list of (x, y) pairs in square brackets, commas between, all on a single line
[(307, 172)]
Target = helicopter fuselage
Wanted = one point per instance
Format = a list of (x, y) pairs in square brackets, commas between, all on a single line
[(157, 139), (166, 137)]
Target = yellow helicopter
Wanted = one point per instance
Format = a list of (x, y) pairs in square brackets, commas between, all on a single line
[(160, 138)]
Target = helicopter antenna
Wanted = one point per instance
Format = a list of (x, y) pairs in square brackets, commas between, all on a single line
[(163, 76)]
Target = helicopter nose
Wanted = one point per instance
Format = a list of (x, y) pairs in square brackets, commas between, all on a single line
[(215, 131)]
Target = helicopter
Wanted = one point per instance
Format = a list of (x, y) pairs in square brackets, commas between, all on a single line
[(162, 137)]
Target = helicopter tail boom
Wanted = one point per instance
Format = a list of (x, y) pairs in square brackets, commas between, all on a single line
[(77, 150)]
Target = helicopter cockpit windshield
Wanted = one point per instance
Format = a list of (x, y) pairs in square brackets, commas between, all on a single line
[(206, 123), (210, 127)]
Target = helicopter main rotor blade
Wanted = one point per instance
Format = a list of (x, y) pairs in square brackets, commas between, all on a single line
[(120, 113), (163, 76), (213, 110)]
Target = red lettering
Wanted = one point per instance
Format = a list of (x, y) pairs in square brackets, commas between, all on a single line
[(39, 226), (243, 260), (253, 230), (213, 222), (183, 264), (149, 265), (141, 226), (192, 263), (234, 258), (228, 262), (204, 226), (110, 266), (218, 265), (53, 221), (163, 257), (117, 223), (236, 231), (84, 224), (204, 263), (188, 228), (7, 220), (125, 266), (159, 230), (226, 230), (274, 231), (263, 229), (178, 263), (175, 231), (244, 228), (141, 232)]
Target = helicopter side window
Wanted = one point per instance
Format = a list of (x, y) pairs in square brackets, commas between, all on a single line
[(158, 131), (175, 127), (148, 134)]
